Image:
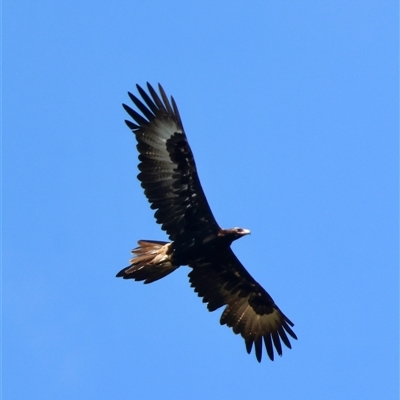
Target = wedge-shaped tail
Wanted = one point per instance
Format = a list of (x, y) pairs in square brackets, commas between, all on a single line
[(151, 261)]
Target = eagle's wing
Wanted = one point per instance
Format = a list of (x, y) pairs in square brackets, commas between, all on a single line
[(250, 310), (168, 170)]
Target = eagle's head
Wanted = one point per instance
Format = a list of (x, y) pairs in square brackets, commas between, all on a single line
[(234, 233)]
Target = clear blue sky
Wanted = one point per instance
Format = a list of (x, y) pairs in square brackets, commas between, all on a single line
[(291, 109)]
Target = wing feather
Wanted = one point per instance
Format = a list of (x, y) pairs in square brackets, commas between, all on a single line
[(168, 171), (250, 311), (258, 348), (165, 100), (148, 113), (268, 346), (147, 100), (137, 117), (131, 125), (156, 98)]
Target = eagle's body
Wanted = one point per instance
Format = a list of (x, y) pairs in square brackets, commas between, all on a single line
[(171, 184)]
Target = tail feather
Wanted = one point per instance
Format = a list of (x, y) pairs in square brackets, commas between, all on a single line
[(151, 261)]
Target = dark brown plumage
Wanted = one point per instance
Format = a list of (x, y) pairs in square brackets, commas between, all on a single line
[(169, 178)]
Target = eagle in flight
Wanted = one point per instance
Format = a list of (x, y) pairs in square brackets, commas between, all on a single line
[(169, 178)]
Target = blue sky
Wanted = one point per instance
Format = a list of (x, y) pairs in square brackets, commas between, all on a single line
[(291, 109)]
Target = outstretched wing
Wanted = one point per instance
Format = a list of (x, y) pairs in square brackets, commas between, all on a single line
[(250, 310), (168, 170)]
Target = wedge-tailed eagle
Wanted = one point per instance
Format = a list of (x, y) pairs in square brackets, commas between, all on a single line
[(169, 178)]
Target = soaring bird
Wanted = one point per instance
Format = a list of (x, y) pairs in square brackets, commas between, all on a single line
[(171, 184)]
